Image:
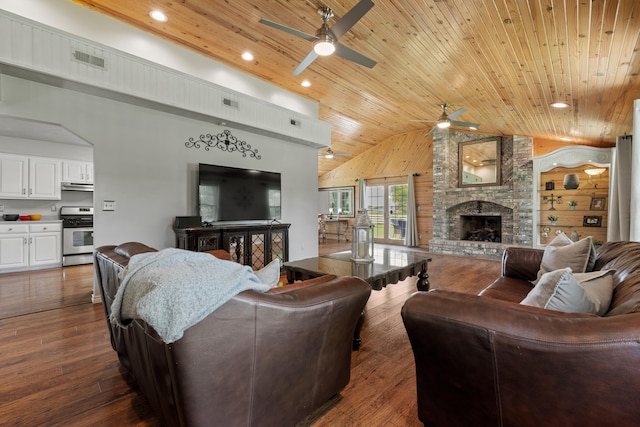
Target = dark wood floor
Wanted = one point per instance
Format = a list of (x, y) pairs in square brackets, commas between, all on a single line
[(57, 366)]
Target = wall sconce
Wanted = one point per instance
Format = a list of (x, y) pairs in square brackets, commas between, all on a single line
[(593, 174), (594, 171)]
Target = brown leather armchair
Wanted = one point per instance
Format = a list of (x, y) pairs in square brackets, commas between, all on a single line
[(261, 359), (487, 360)]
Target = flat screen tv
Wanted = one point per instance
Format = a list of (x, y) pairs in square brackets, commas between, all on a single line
[(234, 194)]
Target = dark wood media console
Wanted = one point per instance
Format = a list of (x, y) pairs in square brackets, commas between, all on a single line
[(250, 244)]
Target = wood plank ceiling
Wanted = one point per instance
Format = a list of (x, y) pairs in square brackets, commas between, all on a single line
[(505, 61)]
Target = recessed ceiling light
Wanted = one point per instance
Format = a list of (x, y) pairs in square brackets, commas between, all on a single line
[(559, 104), (247, 56), (158, 16), (305, 83), (564, 138)]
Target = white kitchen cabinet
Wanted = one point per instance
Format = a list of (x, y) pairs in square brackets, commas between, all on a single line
[(45, 244), (14, 176), (77, 172), (24, 246), (14, 246), (25, 177), (44, 178)]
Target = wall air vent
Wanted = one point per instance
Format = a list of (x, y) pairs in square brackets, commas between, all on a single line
[(230, 103), (87, 58)]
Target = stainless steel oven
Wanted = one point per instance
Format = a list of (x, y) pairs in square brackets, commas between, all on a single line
[(77, 235)]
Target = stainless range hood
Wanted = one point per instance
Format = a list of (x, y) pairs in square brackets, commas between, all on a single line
[(75, 186)]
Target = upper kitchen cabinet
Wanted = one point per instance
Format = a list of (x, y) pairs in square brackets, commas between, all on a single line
[(74, 171), (27, 177)]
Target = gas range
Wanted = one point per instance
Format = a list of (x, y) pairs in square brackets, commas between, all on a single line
[(76, 216), (77, 235)]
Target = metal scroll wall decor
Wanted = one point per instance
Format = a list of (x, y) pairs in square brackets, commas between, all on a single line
[(225, 142)]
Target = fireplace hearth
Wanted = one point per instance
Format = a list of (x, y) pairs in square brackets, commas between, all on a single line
[(481, 228)]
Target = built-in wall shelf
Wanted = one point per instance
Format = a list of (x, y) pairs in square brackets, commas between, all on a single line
[(589, 216)]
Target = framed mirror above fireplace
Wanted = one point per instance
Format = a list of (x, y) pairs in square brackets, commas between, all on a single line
[(479, 162)]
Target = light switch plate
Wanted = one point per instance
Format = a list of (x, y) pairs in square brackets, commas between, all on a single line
[(108, 205)]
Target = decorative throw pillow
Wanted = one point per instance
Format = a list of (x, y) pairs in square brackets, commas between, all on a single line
[(560, 290), (270, 273), (563, 252), (599, 288)]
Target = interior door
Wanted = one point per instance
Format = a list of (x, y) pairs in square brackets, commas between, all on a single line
[(387, 208)]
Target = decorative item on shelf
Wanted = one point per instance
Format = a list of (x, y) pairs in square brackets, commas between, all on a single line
[(545, 233), (597, 203), (592, 221), (553, 200), (362, 241), (574, 236), (553, 219), (571, 181), (549, 185), (593, 175), (572, 204)]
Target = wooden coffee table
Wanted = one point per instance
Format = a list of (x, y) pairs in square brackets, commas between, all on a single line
[(390, 266)]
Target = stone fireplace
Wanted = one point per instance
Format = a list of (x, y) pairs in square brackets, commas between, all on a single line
[(481, 221)]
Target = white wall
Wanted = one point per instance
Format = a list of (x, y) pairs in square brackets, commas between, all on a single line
[(141, 162), (75, 19)]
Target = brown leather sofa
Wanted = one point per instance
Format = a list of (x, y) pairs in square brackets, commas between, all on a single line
[(486, 360), (261, 359)]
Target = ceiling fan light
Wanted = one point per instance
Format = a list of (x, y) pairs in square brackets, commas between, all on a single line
[(328, 156), (443, 124), (324, 47)]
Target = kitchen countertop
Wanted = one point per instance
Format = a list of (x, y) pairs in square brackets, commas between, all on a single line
[(49, 220)]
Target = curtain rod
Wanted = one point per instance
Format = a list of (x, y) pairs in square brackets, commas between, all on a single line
[(385, 177)]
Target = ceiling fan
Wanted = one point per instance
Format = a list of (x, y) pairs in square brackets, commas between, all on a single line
[(330, 154), (326, 38), (445, 120)]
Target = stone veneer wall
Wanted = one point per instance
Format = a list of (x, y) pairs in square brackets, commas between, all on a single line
[(514, 196)]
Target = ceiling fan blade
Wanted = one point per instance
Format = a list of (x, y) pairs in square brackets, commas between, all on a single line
[(289, 30), (424, 121), (342, 154), (433, 129), (465, 124), (350, 19), (350, 54), (305, 62), (456, 113)]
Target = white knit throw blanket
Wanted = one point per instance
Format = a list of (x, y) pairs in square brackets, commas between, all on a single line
[(174, 289)]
